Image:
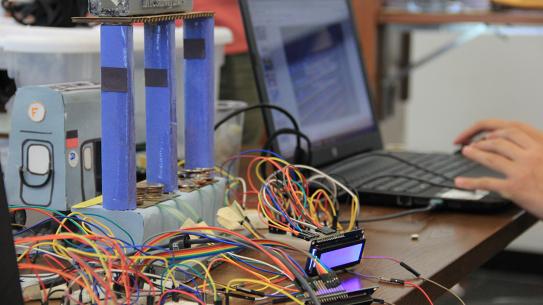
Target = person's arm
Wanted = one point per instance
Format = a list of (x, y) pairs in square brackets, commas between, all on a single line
[(513, 149)]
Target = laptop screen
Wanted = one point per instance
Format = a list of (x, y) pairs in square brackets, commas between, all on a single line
[(307, 55)]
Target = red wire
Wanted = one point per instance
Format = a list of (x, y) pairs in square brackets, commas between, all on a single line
[(421, 290), (109, 292), (48, 257), (50, 215), (35, 268)]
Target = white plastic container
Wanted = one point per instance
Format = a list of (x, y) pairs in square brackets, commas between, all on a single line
[(44, 55), (229, 135)]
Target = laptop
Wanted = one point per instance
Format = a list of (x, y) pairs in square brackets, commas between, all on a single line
[(10, 287), (306, 59)]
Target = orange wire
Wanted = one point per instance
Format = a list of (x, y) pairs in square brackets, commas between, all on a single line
[(25, 266)]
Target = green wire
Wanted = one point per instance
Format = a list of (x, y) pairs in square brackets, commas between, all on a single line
[(78, 225), (49, 210), (115, 224), (306, 204)]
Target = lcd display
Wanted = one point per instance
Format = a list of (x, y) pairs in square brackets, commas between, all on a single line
[(342, 256)]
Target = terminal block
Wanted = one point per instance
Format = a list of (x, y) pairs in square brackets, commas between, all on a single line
[(125, 8)]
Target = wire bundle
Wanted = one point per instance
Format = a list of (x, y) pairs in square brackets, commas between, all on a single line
[(83, 263), (293, 198)]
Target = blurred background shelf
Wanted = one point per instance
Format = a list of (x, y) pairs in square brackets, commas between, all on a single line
[(393, 16), (385, 36)]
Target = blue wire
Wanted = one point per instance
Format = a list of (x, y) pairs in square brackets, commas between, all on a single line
[(95, 287), (184, 272), (252, 151), (30, 228), (193, 276), (137, 292), (254, 267), (75, 219), (295, 263), (293, 225)]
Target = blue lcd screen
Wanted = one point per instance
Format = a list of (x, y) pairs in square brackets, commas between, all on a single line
[(343, 256)]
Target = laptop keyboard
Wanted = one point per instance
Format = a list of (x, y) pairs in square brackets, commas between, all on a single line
[(439, 169)]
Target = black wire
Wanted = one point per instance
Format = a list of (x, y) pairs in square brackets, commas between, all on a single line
[(295, 130), (52, 292), (374, 178), (263, 106), (298, 155), (428, 208), (304, 283)]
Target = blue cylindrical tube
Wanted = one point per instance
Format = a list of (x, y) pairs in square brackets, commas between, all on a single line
[(118, 141), (160, 95), (199, 92)]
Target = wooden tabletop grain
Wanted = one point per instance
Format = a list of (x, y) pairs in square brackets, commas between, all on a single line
[(449, 247)]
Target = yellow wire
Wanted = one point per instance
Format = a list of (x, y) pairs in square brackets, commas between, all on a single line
[(263, 212), (266, 285), (169, 273), (208, 275), (48, 243), (250, 229), (263, 277)]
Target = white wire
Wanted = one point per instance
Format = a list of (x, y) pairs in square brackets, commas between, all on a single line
[(244, 188), (320, 175), (314, 179), (334, 181), (257, 261), (263, 198), (46, 252), (275, 293)]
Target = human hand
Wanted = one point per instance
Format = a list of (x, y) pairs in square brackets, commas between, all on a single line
[(516, 152), (494, 124)]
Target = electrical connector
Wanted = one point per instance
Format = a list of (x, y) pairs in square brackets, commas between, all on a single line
[(410, 269), (392, 281), (357, 297), (180, 242), (330, 280), (327, 230)]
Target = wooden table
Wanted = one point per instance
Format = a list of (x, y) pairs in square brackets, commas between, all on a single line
[(450, 246)]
